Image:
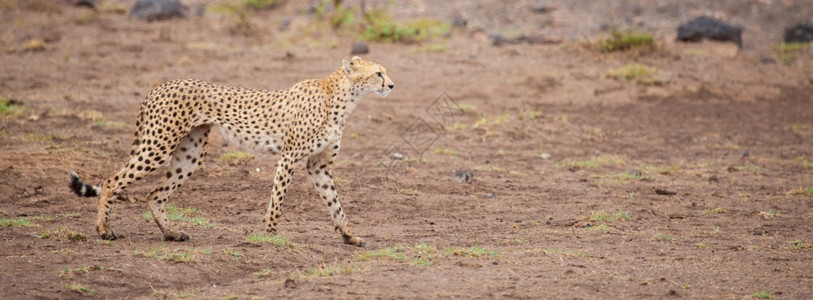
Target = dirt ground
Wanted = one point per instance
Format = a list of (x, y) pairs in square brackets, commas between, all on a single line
[(583, 186)]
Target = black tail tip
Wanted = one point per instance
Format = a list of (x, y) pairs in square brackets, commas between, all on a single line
[(79, 188)]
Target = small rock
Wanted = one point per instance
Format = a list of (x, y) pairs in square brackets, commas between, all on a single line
[(709, 28), (767, 61), (746, 153), (462, 176), (491, 195), (459, 21), (397, 155), (665, 192), (545, 155), (152, 10), (765, 216), (498, 39), (801, 33), (541, 8), (359, 48), (714, 178)]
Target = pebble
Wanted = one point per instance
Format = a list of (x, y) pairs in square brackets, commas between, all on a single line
[(709, 28), (152, 10), (801, 33), (462, 176), (359, 48)]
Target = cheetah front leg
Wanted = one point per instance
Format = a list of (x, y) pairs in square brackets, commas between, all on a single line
[(319, 171), (282, 179)]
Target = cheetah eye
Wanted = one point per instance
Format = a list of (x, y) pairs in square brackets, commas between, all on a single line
[(379, 74)]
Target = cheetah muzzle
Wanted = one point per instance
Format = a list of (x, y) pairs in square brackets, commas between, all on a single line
[(304, 121)]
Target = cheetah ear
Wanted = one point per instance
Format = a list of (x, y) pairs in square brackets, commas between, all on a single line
[(355, 58), (346, 66)]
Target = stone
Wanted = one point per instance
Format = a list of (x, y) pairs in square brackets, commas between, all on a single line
[(153, 10), (462, 176), (359, 48), (802, 33), (709, 28)]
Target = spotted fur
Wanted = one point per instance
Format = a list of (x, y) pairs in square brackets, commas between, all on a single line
[(302, 122)]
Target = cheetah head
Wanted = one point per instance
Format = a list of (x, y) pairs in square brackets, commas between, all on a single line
[(368, 76)]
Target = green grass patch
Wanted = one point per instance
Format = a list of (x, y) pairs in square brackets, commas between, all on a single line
[(763, 295), (455, 126), (491, 121), (339, 16), (80, 288), (425, 255), (183, 214), (184, 294), (807, 191), (599, 216), (603, 216), (637, 73), (788, 52), (626, 40), (664, 170), (242, 11), (63, 233), (624, 177), (444, 151), (467, 107), (701, 245), (331, 270), (623, 216), (264, 238), (718, 210), (236, 157), (70, 273), (75, 214), (663, 238), (408, 192), (10, 108), (233, 253), (16, 222), (805, 163), (799, 245), (179, 255), (474, 251), (750, 168), (381, 27), (600, 227)]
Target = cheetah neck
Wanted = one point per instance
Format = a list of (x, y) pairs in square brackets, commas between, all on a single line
[(343, 97)]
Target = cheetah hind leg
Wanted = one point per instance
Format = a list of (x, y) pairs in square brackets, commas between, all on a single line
[(187, 157)]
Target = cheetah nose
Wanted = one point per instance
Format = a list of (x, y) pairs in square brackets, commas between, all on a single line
[(392, 86)]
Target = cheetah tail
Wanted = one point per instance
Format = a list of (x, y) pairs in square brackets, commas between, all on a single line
[(81, 189)]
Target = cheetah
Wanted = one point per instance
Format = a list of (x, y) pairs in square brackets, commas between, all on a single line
[(303, 121)]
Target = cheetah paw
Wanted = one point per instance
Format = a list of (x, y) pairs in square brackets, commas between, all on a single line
[(179, 236)]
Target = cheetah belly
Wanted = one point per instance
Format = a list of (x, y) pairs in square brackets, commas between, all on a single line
[(257, 141)]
